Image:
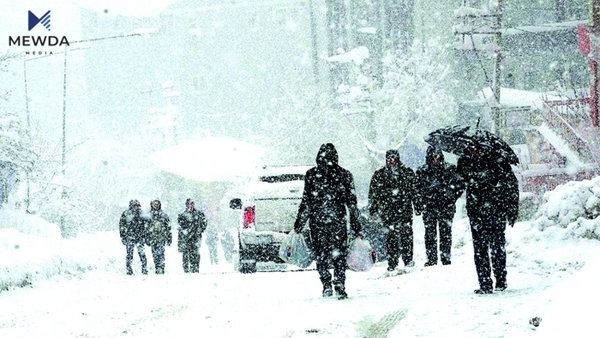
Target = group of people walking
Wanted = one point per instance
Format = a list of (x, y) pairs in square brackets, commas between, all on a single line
[(138, 229), (396, 193)]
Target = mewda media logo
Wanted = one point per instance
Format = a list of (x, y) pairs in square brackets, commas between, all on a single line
[(37, 44), (43, 20)]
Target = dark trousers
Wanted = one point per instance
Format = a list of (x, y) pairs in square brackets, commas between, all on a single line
[(191, 260), (399, 242), (129, 257), (327, 255), (489, 242), (158, 255), (433, 221)]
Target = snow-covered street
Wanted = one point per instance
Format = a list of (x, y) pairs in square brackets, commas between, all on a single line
[(545, 280)]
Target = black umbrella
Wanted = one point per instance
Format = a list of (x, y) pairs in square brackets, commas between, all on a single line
[(455, 139), (493, 143)]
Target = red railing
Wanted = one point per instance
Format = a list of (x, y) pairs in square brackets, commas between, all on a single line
[(562, 116)]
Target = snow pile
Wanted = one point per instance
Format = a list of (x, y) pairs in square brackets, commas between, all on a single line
[(33, 250), (574, 206), (28, 224)]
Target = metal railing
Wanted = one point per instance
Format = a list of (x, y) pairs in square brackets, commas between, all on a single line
[(562, 116)]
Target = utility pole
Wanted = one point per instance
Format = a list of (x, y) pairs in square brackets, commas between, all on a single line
[(496, 111), (315, 50), (486, 26), (595, 90)]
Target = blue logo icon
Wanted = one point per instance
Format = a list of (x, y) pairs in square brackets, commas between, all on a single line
[(44, 20)]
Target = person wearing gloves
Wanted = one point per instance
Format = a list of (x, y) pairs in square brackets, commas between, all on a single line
[(159, 235), (392, 194), (328, 197), (192, 224)]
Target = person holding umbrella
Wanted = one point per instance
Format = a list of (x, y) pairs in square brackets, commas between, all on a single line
[(492, 192), (392, 194)]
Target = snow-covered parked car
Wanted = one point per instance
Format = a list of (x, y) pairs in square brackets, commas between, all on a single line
[(268, 212)]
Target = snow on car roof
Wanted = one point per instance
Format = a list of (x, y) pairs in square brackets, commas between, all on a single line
[(279, 170)]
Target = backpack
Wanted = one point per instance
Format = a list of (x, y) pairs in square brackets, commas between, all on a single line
[(156, 232)]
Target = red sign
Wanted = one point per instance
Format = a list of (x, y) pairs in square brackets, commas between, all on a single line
[(588, 42), (583, 40)]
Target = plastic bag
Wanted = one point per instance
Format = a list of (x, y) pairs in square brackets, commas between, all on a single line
[(294, 250), (361, 256)]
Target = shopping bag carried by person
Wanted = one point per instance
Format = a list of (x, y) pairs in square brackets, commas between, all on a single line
[(294, 250), (361, 256)]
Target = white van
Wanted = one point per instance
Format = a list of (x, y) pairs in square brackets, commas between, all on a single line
[(268, 212)]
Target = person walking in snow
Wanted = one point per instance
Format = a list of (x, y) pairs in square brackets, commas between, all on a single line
[(132, 229), (159, 235), (492, 192), (228, 245), (327, 198), (191, 225), (212, 241), (392, 194), (438, 187)]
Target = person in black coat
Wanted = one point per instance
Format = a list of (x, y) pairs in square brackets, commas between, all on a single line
[(132, 228), (328, 191), (438, 186), (392, 194), (492, 193), (192, 224)]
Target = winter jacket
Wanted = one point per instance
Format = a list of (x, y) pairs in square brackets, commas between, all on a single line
[(492, 188), (192, 223), (132, 226), (159, 228), (392, 194), (438, 184), (328, 191)]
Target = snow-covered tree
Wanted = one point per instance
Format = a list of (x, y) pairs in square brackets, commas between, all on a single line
[(411, 101)]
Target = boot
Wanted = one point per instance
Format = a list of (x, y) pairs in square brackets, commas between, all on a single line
[(501, 286), (340, 291), (327, 291)]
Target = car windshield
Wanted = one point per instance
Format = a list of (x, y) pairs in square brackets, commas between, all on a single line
[(282, 178)]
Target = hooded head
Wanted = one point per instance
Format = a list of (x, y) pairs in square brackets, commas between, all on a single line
[(134, 204), (392, 158), (327, 156), (155, 205), (434, 156), (189, 205)]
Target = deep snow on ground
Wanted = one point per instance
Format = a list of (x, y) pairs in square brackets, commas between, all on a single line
[(77, 287)]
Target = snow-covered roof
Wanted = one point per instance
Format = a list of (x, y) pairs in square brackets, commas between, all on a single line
[(210, 159), (548, 27), (517, 98)]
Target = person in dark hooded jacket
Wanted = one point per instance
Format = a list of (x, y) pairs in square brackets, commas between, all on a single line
[(328, 193), (392, 194), (492, 193), (159, 235), (132, 229), (438, 186), (192, 224)]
